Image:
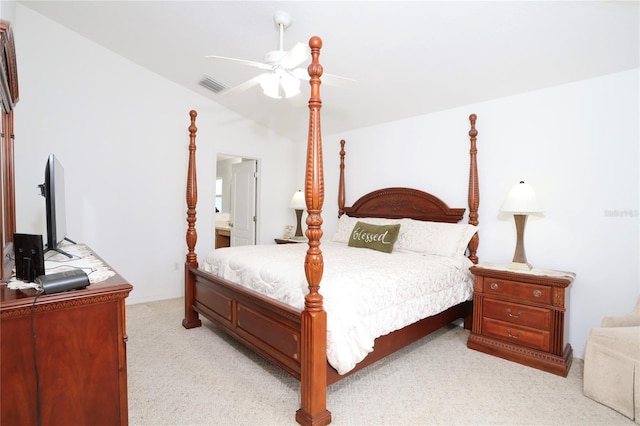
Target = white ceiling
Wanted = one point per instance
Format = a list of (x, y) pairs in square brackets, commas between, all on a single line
[(408, 58)]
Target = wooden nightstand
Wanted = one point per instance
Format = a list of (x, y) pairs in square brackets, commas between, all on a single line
[(519, 316)]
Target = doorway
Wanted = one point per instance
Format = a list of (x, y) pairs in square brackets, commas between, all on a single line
[(236, 200)]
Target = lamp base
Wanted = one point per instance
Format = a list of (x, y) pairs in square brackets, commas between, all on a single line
[(299, 235), (519, 266)]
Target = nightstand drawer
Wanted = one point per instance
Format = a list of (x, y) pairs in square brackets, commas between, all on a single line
[(528, 292), (523, 336), (515, 313)]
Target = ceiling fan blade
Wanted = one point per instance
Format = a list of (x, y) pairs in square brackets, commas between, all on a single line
[(336, 80), (295, 56), (329, 79), (243, 86), (258, 65), (298, 101), (300, 73)]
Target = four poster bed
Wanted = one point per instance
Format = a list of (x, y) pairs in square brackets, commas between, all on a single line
[(290, 327)]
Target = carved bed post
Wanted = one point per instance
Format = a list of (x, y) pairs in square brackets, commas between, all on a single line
[(190, 316), (474, 191), (341, 182), (313, 345)]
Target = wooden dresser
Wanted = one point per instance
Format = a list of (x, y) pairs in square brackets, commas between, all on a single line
[(80, 354), (519, 316)]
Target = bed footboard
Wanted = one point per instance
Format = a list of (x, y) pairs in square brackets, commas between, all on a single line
[(269, 328)]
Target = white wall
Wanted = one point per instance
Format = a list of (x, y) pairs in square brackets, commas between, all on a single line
[(577, 144), (7, 10), (121, 133)]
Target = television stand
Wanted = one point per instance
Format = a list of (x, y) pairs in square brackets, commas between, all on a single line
[(59, 250)]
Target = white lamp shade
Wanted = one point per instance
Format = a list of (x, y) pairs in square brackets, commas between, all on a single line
[(298, 202), (521, 199)]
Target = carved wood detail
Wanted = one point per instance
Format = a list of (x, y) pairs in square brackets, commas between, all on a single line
[(191, 318), (64, 304), (341, 194), (396, 203), (474, 188), (192, 192), (546, 357), (313, 345), (9, 70)]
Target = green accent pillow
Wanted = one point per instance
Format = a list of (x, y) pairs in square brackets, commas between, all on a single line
[(376, 237)]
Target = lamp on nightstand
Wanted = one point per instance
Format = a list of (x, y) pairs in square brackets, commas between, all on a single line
[(521, 201), (298, 203)]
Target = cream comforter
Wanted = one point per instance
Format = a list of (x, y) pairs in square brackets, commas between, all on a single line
[(366, 293)]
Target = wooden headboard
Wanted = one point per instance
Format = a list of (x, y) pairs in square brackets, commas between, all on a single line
[(396, 203)]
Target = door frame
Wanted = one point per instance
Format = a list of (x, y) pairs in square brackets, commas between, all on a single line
[(221, 156)]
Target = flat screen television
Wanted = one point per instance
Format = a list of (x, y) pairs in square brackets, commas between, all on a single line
[(53, 191)]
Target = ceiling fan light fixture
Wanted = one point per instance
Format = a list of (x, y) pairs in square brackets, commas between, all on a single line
[(273, 81), (290, 85), (270, 84)]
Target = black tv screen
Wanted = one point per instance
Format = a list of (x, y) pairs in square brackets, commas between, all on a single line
[(53, 191)]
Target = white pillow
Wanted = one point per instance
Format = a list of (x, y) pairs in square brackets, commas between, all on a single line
[(343, 231), (438, 238)]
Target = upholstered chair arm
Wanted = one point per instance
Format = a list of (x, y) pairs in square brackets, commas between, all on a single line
[(631, 319)]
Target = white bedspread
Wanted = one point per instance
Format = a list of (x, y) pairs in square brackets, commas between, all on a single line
[(366, 293)]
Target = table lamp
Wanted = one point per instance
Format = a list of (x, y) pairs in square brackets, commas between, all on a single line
[(521, 201), (298, 203)]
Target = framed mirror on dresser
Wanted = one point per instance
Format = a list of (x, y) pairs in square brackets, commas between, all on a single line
[(9, 98)]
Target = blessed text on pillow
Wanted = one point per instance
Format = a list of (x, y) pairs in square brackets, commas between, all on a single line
[(375, 237)]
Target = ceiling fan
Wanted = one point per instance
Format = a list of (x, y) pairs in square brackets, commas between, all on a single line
[(282, 76)]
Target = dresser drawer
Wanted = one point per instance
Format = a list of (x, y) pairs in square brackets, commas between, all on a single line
[(516, 313), (511, 289), (523, 336)]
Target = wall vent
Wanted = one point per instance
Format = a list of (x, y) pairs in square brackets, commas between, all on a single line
[(211, 84)]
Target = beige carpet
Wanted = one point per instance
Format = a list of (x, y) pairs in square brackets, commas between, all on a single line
[(201, 377)]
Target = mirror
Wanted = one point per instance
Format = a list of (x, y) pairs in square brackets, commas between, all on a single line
[(8, 100)]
